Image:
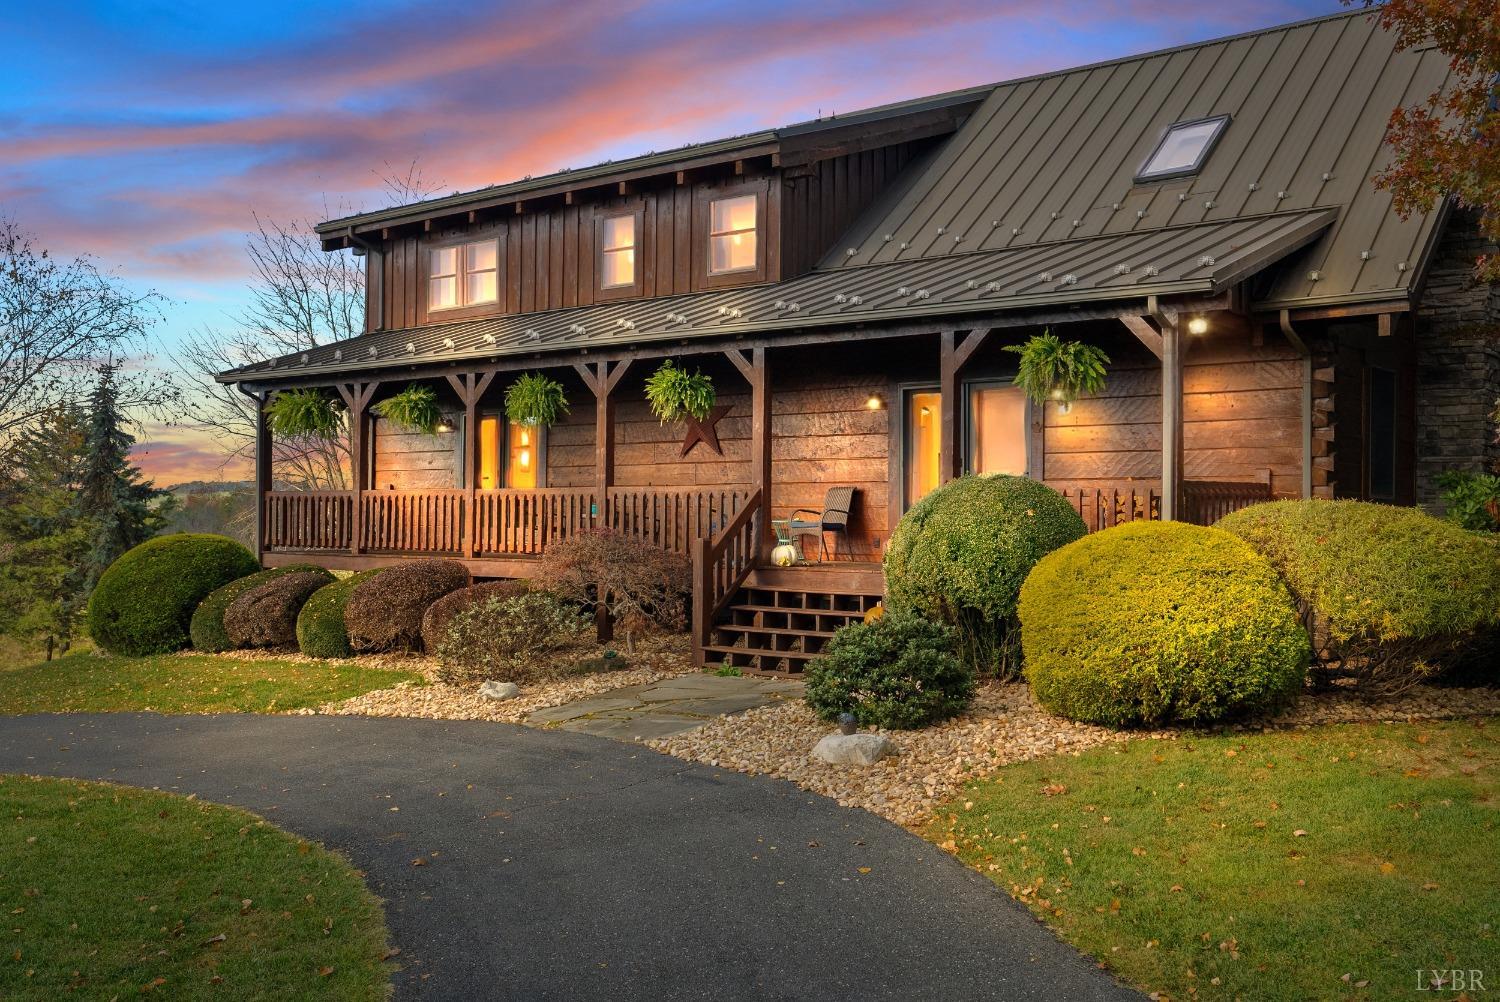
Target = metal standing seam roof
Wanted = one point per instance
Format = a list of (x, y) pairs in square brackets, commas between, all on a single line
[(1055, 156), (1200, 258)]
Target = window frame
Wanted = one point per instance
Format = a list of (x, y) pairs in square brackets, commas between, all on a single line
[(1028, 415), (637, 285), (705, 277), (1372, 371), (1144, 176), (502, 453), (460, 247), (753, 228)]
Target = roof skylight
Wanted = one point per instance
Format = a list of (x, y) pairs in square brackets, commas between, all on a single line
[(1183, 148)]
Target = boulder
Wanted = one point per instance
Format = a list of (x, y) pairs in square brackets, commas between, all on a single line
[(499, 690), (854, 749)]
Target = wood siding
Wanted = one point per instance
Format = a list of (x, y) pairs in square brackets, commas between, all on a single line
[(406, 462), (821, 202)]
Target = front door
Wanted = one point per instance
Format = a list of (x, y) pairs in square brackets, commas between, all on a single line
[(510, 455), (995, 434)]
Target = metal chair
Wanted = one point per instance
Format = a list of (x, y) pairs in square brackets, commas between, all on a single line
[(833, 518)]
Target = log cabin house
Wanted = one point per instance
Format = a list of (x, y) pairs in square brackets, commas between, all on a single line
[(1205, 214)]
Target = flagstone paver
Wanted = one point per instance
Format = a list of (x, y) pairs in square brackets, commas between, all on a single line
[(661, 709)]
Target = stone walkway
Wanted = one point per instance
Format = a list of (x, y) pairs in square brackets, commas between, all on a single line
[(661, 709)]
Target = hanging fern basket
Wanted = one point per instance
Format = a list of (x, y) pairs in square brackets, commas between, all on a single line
[(534, 400), (675, 393), (1054, 369), (304, 414), (413, 409)]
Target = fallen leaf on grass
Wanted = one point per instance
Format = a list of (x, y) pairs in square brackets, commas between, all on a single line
[(1299, 833), (214, 939), (1387, 867), (323, 972)]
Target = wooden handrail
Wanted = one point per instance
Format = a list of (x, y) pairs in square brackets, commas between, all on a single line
[(721, 564)]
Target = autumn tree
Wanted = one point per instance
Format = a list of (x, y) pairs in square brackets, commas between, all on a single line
[(1449, 143)]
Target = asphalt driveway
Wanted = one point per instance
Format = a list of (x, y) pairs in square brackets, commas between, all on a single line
[(574, 867)]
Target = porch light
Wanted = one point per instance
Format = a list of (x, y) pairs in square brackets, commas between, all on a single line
[(1198, 325), (874, 403), (525, 459), (445, 424)]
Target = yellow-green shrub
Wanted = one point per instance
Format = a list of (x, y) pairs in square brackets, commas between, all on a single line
[(1390, 595), (960, 554), (1151, 622)]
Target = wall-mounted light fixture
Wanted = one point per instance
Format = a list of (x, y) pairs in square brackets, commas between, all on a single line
[(1197, 325), (445, 424), (875, 402)]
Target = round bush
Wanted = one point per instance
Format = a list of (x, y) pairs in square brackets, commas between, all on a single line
[(523, 638), (207, 626), (1151, 622), (1390, 595), (320, 625), (385, 612), (440, 613), (961, 553), (145, 600), (266, 615), (898, 671)]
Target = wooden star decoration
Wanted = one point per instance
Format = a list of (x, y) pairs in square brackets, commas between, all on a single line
[(704, 431)]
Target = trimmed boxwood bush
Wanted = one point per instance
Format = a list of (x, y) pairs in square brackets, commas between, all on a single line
[(320, 625), (385, 612), (207, 626), (266, 615), (898, 671), (524, 638), (145, 600), (440, 613), (961, 553), (1155, 622), (1391, 596)]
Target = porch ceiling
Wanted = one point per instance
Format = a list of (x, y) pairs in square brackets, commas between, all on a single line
[(1185, 260)]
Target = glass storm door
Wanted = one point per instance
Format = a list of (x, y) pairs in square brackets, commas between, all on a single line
[(922, 438), (508, 454), (996, 428)]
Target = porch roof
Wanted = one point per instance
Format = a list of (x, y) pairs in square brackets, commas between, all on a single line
[(1203, 258)]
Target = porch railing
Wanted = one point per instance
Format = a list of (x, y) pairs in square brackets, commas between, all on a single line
[(412, 521), (1204, 502), (672, 518), (721, 563), (528, 521), (309, 520)]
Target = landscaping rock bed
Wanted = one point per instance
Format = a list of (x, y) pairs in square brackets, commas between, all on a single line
[(1002, 725)]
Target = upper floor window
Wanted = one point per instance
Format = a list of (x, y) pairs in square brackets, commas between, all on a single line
[(617, 252), (731, 234), (463, 275), (1183, 148)]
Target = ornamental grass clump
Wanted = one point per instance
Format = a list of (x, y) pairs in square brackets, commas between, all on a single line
[(1150, 623), (960, 554), (265, 616), (1390, 596), (321, 632), (385, 612), (207, 625), (145, 600), (899, 671), (525, 638)]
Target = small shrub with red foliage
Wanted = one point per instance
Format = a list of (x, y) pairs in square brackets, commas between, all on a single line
[(638, 583), (385, 612), (266, 615), (440, 613)]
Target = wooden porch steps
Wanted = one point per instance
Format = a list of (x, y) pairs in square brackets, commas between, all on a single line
[(781, 617)]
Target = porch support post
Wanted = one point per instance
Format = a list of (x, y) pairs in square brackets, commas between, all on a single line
[(470, 386), (1171, 421), (601, 378), (356, 398), (757, 372), (955, 354), (262, 471)]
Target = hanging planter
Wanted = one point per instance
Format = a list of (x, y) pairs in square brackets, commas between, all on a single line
[(304, 414), (535, 400), (675, 393), (413, 409), (1054, 369)]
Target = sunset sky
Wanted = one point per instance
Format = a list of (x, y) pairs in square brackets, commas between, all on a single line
[(147, 133)]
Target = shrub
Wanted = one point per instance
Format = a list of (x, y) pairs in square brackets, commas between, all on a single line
[(640, 584), (207, 625), (961, 553), (520, 639), (266, 615), (144, 601), (1391, 596), (1471, 499), (899, 671), (384, 613), (1151, 622), (440, 613), (320, 625)]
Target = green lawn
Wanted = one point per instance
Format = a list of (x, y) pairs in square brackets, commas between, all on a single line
[(1264, 866), (116, 892), (200, 683)]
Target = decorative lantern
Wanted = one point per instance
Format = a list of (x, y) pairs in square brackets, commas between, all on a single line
[(848, 724), (784, 555)]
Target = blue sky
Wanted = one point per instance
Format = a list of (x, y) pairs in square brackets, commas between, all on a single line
[(148, 133)]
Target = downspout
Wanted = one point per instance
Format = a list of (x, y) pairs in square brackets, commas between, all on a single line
[(1307, 399), (376, 322), (261, 463)]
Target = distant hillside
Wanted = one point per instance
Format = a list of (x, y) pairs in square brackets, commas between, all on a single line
[(211, 487)]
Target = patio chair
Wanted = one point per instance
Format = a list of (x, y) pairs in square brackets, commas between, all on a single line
[(833, 518)]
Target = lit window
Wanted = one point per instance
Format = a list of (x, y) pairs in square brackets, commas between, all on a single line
[(617, 252), (463, 276), (1183, 149), (520, 461), (731, 234)]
